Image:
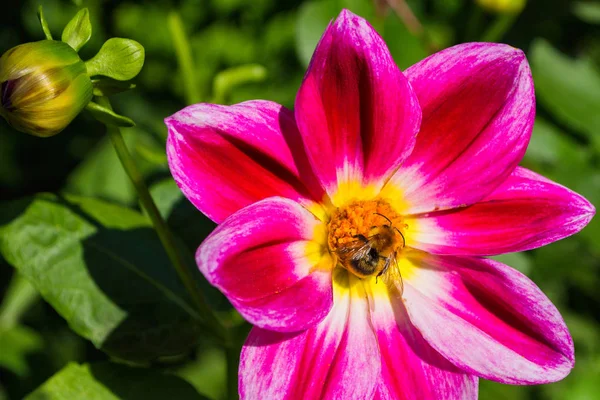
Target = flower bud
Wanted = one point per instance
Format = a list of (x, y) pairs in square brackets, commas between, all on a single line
[(43, 86), (503, 6)]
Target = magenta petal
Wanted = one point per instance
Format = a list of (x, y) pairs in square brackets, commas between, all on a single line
[(355, 109), (488, 319), (264, 259), (336, 359), (525, 212), (226, 157), (478, 110), (411, 369)]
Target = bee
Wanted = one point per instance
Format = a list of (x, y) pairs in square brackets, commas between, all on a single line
[(373, 254)]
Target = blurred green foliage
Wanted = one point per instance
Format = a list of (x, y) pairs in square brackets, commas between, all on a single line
[(243, 50)]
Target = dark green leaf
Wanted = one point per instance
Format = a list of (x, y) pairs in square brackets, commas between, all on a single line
[(107, 381), (103, 269), (78, 31)]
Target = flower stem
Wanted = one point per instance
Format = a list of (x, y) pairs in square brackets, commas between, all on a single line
[(184, 58), (162, 229)]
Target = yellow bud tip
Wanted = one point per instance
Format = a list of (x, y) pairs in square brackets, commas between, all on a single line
[(503, 6)]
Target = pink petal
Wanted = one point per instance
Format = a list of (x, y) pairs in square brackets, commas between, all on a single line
[(265, 260), (355, 109), (488, 319), (336, 359), (478, 109), (226, 157), (411, 369), (525, 212)]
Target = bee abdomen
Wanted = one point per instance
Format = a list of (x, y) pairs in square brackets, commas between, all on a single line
[(366, 265)]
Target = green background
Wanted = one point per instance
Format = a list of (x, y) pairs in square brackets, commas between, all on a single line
[(241, 50)]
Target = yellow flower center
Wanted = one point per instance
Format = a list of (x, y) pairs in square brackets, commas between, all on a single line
[(366, 237)]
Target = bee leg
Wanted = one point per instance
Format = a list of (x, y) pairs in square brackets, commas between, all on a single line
[(361, 237)]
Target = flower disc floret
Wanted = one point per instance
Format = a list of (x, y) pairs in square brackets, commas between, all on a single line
[(359, 218)]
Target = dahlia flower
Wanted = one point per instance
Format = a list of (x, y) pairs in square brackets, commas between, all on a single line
[(352, 229)]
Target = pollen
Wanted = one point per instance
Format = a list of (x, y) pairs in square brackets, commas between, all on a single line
[(360, 218)]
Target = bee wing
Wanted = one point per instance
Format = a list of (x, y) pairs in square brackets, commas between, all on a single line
[(395, 260), (356, 250)]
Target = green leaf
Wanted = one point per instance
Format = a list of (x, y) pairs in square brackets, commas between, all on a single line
[(207, 372), (519, 261), (497, 391), (580, 384), (78, 31), (587, 11), (106, 381), (569, 88), (102, 268), (19, 297), (553, 149), (101, 174), (191, 226), (405, 47), (120, 59), (186, 220), (108, 117), (17, 343), (313, 18), (558, 156)]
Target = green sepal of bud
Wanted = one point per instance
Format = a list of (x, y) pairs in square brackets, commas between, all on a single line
[(78, 31), (108, 87), (44, 23), (43, 86), (503, 6), (108, 117), (119, 59)]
